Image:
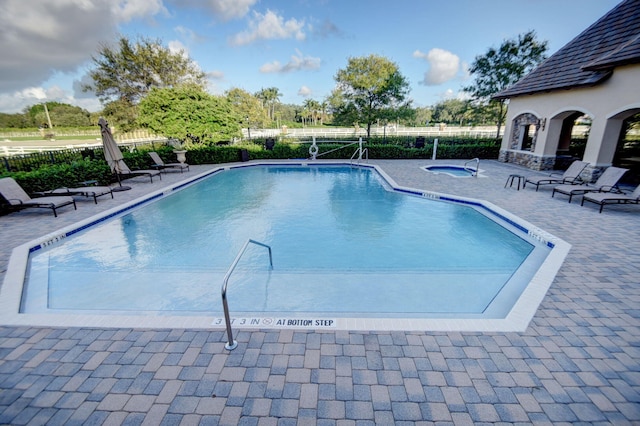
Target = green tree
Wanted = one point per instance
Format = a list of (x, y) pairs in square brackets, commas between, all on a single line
[(248, 108), (324, 105), (502, 67), (270, 97), (121, 115), (286, 113), (187, 111), (370, 89), (423, 116), (125, 73), (61, 115), (452, 111), (65, 115), (313, 108), (15, 121)]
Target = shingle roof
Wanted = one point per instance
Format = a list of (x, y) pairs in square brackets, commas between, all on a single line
[(590, 58)]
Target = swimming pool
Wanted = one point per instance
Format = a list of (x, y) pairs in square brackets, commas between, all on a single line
[(307, 253), (452, 170)]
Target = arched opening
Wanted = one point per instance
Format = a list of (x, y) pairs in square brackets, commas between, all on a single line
[(627, 153), (572, 139), (525, 132)]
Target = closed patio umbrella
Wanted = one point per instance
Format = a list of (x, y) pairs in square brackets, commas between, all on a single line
[(112, 152)]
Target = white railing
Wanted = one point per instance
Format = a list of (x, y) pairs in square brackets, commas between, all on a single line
[(378, 131), (7, 151)]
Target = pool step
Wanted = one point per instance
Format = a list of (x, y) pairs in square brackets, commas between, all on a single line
[(253, 291)]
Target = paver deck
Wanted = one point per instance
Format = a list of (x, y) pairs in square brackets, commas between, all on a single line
[(578, 361)]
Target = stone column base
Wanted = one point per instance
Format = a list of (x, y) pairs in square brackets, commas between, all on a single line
[(527, 159)]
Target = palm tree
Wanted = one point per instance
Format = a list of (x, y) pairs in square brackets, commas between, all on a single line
[(269, 97), (313, 107), (323, 111)]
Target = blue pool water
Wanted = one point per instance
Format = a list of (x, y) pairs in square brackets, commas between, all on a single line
[(342, 243), (456, 171)]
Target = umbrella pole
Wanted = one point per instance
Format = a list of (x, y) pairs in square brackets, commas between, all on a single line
[(120, 188)]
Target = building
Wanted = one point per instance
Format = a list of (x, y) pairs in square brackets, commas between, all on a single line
[(595, 77)]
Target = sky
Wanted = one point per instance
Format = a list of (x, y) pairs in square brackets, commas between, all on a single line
[(297, 46)]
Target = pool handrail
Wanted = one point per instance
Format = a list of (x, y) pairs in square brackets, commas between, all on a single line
[(477, 161), (359, 152), (232, 344)]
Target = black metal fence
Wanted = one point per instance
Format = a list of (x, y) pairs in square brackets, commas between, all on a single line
[(35, 160)]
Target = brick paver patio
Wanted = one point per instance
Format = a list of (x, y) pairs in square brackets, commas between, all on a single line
[(578, 361)]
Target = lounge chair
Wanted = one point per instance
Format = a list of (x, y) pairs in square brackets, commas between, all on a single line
[(607, 182), (570, 176), (123, 171), (19, 199), (603, 198), (161, 165), (86, 191)]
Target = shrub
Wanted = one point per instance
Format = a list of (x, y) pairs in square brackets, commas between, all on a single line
[(62, 175), (94, 167)]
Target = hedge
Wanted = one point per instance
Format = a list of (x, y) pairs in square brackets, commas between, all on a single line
[(70, 174), (63, 175)]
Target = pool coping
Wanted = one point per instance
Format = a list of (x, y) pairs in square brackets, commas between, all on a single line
[(517, 320)]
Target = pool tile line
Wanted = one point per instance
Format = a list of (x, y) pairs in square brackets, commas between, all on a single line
[(507, 324), (197, 178), (518, 223)]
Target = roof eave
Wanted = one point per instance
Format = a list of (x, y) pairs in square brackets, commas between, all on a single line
[(599, 77)]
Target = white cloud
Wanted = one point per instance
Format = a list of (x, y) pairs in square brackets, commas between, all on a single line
[(271, 67), (215, 75), (305, 92), (186, 33), (126, 10), (40, 38), (451, 94), (298, 62), (269, 27), (230, 9), (16, 101), (176, 46), (78, 92), (223, 10), (443, 66), (466, 74)]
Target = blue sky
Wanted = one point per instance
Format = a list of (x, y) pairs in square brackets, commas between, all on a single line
[(294, 45)]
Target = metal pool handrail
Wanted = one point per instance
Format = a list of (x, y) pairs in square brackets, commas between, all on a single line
[(360, 152), (477, 161), (232, 344)]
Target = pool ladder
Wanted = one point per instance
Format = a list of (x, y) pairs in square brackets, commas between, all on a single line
[(359, 155), (473, 171), (232, 344)]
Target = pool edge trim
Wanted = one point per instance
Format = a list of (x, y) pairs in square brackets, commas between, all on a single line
[(517, 320)]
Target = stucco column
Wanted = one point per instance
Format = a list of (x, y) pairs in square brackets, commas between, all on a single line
[(547, 139), (506, 136), (602, 142)]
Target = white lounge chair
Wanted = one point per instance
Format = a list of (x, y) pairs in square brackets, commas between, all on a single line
[(19, 199), (570, 176), (161, 165), (603, 198), (607, 182)]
